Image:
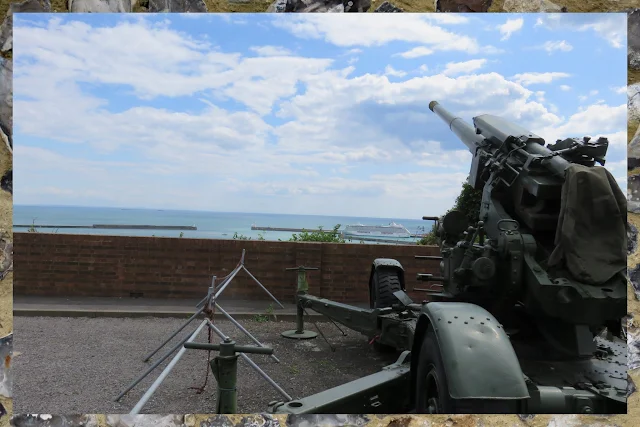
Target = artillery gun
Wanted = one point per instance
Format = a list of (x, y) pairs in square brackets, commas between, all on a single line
[(526, 316)]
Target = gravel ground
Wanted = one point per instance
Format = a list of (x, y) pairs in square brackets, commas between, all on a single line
[(79, 365)]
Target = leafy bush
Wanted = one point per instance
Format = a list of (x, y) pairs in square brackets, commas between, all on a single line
[(319, 236), (430, 238), (468, 202)]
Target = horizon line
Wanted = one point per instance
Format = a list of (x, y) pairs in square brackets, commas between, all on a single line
[(206, 211)]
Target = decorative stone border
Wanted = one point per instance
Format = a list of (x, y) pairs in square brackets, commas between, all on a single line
[(101, 420)]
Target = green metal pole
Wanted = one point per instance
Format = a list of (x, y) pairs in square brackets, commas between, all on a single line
[(225, 369), (299, 317), (303, 287)]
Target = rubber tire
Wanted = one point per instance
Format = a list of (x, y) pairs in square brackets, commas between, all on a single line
[(430, 356), (386, 281)]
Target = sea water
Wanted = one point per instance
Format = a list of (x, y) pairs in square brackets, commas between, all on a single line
[(210, 225)]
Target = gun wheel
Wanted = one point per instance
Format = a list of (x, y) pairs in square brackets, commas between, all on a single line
[(386, 281), (432, 392), (433, 402)]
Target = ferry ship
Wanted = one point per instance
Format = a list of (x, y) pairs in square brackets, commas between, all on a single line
[(392, 230)]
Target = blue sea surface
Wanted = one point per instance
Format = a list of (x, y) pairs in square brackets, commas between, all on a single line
[(210, 225)]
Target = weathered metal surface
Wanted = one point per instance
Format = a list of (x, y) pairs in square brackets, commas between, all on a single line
[(481, 361), (100, 6), (382, 392), (178, 6), (225, 370)]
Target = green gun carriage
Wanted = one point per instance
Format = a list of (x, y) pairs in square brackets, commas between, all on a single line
[(528, 313)]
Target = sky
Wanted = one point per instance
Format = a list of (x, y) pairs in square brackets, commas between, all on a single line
[(322, 114)]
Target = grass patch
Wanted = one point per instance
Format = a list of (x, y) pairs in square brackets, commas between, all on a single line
[(266, 317)]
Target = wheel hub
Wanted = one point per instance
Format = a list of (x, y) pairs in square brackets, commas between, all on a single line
[(433, 392), (432, 406)]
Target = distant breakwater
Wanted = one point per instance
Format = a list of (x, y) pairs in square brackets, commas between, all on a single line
[(114, 227)]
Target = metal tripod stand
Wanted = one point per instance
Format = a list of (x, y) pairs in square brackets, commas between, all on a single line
[(207, 305)]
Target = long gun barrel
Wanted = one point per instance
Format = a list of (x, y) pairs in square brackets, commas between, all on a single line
[(496, 131), (462, 129)]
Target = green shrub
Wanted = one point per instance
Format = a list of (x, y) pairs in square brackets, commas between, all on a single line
[(319, 235)]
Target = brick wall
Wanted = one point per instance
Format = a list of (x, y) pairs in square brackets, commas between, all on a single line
[(116, 266)]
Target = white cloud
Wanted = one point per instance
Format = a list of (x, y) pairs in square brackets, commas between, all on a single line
[(378, 29), (591, 93), (565, 88), (510, 27), (271, 50), (492, 50), (527, 79), (153, 66), (611, 26), (619, 90), (390, 71), (562, 46), (416, 52), (595, 120), (447, 18), (466, 67)]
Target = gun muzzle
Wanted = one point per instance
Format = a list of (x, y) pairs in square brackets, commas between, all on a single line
[(464, 131)]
